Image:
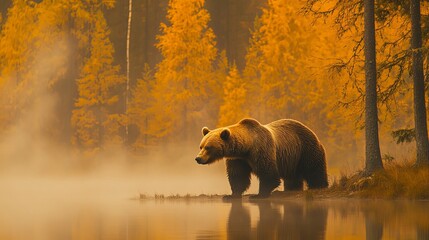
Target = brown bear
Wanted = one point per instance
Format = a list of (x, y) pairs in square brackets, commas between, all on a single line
[(284, 149)]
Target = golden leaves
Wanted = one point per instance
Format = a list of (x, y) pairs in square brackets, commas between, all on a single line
[(233, 107), (182, 83), (93, 120)]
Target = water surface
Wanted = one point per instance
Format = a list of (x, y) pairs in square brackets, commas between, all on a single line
[(102, 217)]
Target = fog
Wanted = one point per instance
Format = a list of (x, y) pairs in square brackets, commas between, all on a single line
[(40, 169), (33, 164)]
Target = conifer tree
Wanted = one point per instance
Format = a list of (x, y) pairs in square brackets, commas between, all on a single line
[(137, 112), (278, 61), (217, 87), (185, 76), (420, 119), (285, 74), (33, 56), (372, 146), (233, 108), (95, 120), (267, 83)]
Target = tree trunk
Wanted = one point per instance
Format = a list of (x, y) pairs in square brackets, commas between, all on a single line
[(373, 227), (146, 33), (228, 35), (419, 88), (422, 233), (372, 146), (127, 91), (4, 6)]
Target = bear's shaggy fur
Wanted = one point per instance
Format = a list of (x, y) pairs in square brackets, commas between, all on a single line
[(284, 149)]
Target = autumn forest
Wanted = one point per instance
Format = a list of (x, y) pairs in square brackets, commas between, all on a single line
[(90, 75)]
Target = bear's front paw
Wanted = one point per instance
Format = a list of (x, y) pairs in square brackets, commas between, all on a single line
[(231, 197), (259, 196)]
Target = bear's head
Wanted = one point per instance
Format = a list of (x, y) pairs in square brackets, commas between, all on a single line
[(213, 145)]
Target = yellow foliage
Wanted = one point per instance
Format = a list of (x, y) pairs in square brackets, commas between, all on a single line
[(286, 75), (138, 113), (94, 120), (280, 45), (30, 40), (86, 134), (183, 82), (233, 108)]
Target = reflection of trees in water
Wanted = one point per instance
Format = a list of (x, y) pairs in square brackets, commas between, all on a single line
[(387, 219), (309, 220), (303, 221), (277, 219), (375, 215), (370, 213), (422, 233), (297, 221), (370, 219), (373, 226)]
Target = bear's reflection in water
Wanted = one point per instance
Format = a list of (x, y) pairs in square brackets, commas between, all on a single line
[(239, 225), (287, 220)]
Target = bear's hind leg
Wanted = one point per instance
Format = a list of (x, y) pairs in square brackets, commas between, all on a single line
[(318, 177), (238, 171), (315, 173), (294, 184)]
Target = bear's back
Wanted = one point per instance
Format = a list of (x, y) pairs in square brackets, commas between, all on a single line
[(287, 132), (292, 139), (284, 127)]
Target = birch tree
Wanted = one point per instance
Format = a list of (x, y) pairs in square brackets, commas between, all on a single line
[(127, 90)]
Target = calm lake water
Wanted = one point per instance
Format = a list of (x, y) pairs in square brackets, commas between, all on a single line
[(68, 217)]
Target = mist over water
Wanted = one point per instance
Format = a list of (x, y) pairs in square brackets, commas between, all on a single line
[(51, 191), (89, 217), (33, 161)]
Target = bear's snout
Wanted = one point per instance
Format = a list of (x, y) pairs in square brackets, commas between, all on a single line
[(199, 160)]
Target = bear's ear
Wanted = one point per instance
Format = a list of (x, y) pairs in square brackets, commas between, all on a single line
[(205, 130), (225, 134)]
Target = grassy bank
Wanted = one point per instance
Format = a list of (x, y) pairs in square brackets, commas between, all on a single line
[(178, 196), (396, 181)]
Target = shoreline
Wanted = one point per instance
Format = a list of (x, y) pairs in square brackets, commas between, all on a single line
[(302, 196)]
